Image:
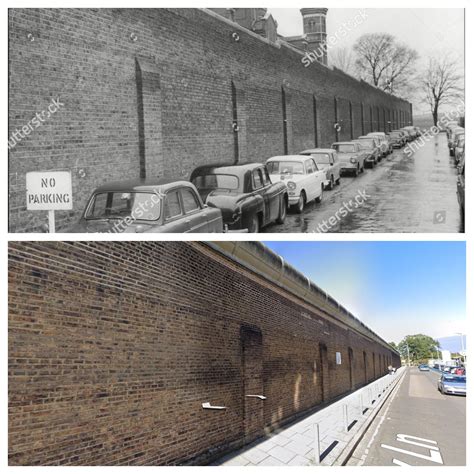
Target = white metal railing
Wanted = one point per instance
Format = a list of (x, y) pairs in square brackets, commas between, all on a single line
[(352, 409)]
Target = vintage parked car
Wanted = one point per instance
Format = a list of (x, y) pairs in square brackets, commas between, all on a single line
[(405, 136), (411, 132), (423, 368), (370, 146), (327, 160), (455, 132), (351, 156), (396, 139), (452, 384), (384, 142), (244, 193), (151, 205), (304, 180), (461, 183), (459, 148)]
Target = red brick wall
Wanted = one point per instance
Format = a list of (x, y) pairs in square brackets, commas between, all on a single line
[(113, 347), (162, 103)]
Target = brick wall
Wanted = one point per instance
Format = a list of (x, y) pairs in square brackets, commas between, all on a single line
[(114, 346), (162, 104)]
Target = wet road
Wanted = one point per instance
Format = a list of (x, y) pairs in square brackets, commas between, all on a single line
[(402, 193)]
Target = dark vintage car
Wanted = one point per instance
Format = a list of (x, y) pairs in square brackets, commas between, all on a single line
[(244, 194), (152, 205), (461, 184), (370, 146), (396, 139)]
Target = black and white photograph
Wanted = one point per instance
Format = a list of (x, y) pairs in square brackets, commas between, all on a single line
[(275, 120)]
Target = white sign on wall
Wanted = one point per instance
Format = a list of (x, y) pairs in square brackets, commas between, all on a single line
[(338, 358), (49, 191)]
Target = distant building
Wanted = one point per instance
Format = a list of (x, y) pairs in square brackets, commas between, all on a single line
[(314, 33), (257, 20)]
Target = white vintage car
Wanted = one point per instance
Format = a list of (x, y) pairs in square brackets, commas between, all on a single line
[(304, 180)]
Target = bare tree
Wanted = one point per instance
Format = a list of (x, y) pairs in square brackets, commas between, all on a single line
[(384, 62), (441, 83), (343, 59)]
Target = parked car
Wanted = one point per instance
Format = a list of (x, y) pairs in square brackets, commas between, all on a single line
[(418, 131), (396, 139), (461, 184), (452, 384), (351, 156), (244, 193), (423, 368), (404, 135), (411, 132), (370, 146), (304, 180), (459, 150), (458, 146), (454, 133), (326, 160), (384, 145), (148, 206)]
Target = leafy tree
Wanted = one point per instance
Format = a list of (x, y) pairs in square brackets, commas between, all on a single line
[(418, 347), (394, 345)]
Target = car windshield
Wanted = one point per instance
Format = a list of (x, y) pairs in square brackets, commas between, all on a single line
[(321, 158), (344, 148), (366, 144), (285, 167), (216, 181), (455, 379), (119, 205)]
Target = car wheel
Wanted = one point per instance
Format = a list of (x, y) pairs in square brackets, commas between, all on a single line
[(299, 206), (338, 180), (332, 182), (320, 197), (361, 170), (356, 171), (282, 213), (254, 225)]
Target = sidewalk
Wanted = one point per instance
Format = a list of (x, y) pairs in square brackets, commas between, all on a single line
[(338, 424)]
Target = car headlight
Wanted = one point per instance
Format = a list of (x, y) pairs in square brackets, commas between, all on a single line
[(353, 160), (291, 185)]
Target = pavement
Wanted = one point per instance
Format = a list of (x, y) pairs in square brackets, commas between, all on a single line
[(419, 426), (403, 193), (295, 444)]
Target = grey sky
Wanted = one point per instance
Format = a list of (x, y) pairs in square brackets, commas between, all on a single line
[(431, 31)]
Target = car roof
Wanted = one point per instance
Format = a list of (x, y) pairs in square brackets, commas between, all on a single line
[(148, 184), (362, 136), (317, 150), (375, 133), (228, 168), (344, 143), (296, 158)]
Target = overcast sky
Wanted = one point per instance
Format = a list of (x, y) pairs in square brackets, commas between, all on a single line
[(396, 288), (431, 31)]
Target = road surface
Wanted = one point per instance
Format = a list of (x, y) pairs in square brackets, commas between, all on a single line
[(418, 426)]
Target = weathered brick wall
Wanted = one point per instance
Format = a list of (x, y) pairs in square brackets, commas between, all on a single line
[(113, 347), (161, 104)]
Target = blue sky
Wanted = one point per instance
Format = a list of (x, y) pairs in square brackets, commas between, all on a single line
[(396, 288)]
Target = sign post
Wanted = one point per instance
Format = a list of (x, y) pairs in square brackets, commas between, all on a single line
[(49, 191)]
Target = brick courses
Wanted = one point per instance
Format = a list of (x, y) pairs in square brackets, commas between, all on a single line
[(162, 104), (114, 346)]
